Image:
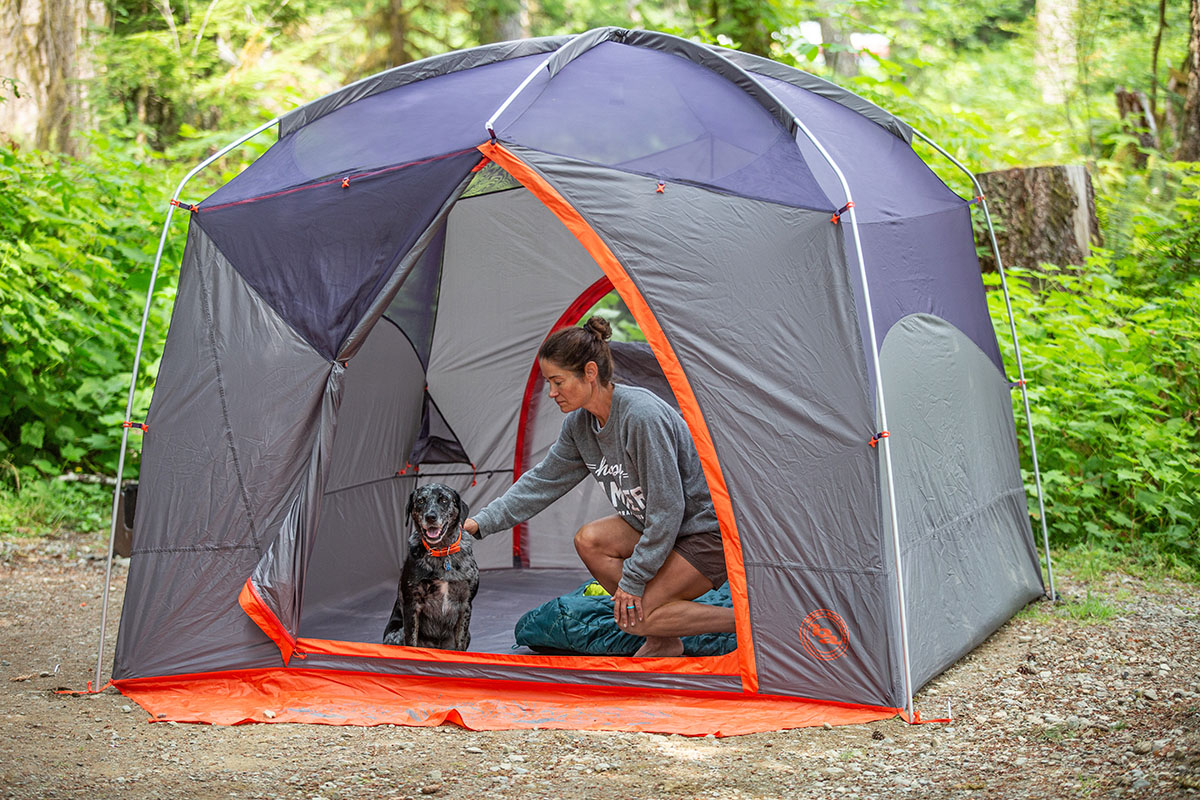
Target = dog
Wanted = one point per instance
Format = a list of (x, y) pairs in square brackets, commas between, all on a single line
[(440, 577)]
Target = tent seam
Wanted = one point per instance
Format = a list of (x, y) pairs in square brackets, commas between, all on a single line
[(215, 548), (934, 533)]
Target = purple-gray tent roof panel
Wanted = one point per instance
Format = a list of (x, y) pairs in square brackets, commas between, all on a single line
[(660, 115), (928, 265), (320, 254), (409, 123), (887, 178)]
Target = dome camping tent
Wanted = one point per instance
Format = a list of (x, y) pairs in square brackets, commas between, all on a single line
[(358, 312)]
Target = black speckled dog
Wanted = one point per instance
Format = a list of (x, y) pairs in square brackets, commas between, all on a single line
[(440, 576)]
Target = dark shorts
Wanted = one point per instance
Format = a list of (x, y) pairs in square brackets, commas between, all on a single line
[(704, 552)]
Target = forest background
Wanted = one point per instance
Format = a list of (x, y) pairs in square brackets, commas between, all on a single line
[(104, 106)]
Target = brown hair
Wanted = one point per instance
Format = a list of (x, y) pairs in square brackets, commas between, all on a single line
[(573, 348)]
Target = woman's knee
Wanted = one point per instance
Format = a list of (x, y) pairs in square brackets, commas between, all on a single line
[(589, 538)]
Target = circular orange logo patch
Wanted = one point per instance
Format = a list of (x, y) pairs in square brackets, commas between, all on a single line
[(823, 635)]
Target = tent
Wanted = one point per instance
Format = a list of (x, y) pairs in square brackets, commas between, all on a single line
[(358, 312)]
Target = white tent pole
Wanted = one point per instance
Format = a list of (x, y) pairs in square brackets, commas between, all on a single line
[(883, 442), (1012, 325), (137, 358), (491, 123)]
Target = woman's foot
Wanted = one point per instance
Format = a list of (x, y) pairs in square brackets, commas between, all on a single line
[(660, 647)]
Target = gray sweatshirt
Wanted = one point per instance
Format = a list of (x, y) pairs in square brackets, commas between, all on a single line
[(645, 460)]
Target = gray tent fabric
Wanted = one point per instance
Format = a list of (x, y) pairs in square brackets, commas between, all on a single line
[(231, 419), (961, 501), (359, 311)]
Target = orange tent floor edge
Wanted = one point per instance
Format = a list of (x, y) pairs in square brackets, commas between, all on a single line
[(329, 697)]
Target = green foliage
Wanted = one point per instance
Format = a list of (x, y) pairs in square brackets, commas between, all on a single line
[(1112, 353), (76, 248), (50, 507)]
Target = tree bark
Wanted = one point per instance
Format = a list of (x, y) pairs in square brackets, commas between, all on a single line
[(1041, 214), (1137, 119), (1189, 129), (836, 48), (502, 20), (1054, 57), (41, 48)]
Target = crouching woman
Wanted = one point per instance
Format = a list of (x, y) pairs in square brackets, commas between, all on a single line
[(662, 548)]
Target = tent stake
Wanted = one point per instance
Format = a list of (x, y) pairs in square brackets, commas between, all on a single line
[(137, 358), (1012, 324), (884, 443)]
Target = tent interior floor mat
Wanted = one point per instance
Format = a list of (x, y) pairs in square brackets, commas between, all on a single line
[(504, 596), (330, 697)]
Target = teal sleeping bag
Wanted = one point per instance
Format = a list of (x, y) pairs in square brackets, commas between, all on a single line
[(579, 623)]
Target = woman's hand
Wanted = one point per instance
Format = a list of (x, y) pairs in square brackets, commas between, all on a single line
[(471, 527), (627, 609)]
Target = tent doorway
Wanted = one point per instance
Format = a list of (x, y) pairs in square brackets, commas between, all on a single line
[(410, 414)]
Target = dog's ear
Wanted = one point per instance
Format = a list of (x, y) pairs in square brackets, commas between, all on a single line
[(408, 509), (463, 511)]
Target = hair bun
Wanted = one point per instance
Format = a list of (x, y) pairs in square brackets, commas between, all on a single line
[(598, 326)]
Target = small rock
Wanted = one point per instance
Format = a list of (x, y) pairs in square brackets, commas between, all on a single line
[(1150, 694), (126, 709), (473, 750), (827, 727), (1140, 783), (432, 788), (1141, 748)]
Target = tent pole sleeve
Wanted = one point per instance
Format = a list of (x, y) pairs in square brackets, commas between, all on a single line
[(1012, 326), (491, 123), (884, 443), (137, 358)]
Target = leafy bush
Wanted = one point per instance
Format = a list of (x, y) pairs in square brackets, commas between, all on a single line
[(49, 507), (1112, 353), (77, 244)]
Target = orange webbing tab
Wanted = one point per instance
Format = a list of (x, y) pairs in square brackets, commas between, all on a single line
[(90, 690), (662, 188), (875, 439), (185, 206), (141, 426), (837, 215)]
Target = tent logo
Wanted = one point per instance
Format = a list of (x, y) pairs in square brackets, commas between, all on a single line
[(824, 635)]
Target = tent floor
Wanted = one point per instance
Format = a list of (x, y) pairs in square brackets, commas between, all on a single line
[(504, 596)]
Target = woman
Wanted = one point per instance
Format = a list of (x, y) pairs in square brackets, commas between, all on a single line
[(662, 548)]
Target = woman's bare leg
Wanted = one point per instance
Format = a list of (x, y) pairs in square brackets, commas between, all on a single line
[(667, 610)]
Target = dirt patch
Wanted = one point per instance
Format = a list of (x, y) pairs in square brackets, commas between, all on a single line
[(1096, 697)]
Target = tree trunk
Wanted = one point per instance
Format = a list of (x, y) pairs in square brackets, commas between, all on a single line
[(41, 48), (1137, 119), (1189, 129), (1054, 57), (839, 54), (1041, 215), (502, 20)]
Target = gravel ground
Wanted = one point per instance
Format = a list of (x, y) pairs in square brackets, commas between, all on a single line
[(1098, 696)]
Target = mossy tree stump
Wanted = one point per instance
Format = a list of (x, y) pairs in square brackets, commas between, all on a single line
[(1041, 215)]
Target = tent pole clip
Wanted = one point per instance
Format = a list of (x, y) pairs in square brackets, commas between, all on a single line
[(877, 437), (185, 206), (976, 199), (141, 426), (346, 183), (837, 215), (662, 187), (1020, 383)]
